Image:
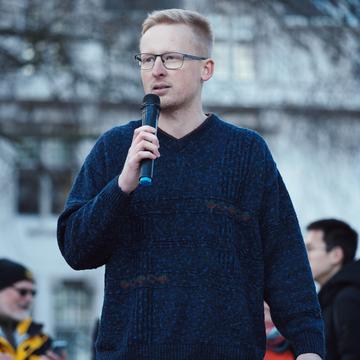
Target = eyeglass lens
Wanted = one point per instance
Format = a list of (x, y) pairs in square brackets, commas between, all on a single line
[(24, 292), (170, 60)]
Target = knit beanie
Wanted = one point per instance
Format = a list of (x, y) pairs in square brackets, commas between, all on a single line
[(12, 272)]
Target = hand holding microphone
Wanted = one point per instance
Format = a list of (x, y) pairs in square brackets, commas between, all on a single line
[(144, 148)]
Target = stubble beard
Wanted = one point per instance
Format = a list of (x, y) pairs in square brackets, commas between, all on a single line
[(172, 105)]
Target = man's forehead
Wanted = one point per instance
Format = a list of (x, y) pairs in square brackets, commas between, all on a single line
[(314, 236), (168, 37), (24, 283)]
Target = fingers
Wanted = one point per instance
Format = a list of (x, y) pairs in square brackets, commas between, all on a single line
[(145, 133), (141, 155), (138, 156), (145, 145)]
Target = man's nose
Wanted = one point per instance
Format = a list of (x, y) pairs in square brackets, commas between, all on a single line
[(29, 296), (159, 68)]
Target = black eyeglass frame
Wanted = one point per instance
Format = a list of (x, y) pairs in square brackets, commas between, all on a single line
[(23, 292), (137, 57)]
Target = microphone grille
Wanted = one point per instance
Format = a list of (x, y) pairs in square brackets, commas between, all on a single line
[(151, 99)]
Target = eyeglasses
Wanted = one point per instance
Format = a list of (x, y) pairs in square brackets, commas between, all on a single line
[(171, 60), (23, 292)]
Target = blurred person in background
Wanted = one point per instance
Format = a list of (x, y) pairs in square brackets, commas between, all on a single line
[(331, 246), (20, 337), (277, 347)]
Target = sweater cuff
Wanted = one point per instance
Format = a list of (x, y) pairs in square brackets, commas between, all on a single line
[(309, 343), (114, 198)]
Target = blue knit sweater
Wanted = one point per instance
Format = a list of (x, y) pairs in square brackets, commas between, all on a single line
[(190, 259)]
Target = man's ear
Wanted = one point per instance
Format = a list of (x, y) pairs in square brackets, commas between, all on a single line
[(207, 70), (337, 255)]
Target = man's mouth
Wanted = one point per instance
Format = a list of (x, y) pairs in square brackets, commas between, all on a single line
[(161, 87), (24, 307)]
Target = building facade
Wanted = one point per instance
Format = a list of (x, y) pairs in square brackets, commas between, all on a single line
[(67, 81)]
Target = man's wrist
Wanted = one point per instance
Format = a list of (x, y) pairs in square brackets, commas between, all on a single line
[(123, 186)]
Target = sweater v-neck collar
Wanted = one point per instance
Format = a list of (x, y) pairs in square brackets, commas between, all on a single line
[(169, 140)]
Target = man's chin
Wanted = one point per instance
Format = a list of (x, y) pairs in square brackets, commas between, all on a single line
[(168, 106), (20, 315)]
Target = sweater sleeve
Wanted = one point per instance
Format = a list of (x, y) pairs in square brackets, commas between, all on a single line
[(289, 287), (94, 208)]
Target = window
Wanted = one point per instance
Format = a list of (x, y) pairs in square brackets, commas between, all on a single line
[(44, 176), (233, 49), (221, 54), (60, 185), (243, 62), (29, 190), (73, 319)]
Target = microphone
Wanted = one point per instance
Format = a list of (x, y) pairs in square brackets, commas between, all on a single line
[(150, 110)]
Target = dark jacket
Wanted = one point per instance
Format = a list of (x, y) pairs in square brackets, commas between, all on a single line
[(340, 302)]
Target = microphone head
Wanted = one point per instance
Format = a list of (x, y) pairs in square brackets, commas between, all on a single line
[(151, 99)]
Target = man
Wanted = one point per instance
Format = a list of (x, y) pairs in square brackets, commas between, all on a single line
[(20, 337), (331, 246), (188, 259)]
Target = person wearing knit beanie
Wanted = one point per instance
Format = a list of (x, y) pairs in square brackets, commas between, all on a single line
[(20, 337), (17, 290), (11, 272)]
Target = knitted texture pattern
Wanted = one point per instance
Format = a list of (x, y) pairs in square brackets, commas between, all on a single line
[(190, 259)]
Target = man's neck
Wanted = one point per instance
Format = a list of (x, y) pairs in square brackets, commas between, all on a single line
[(325, 278), (180, 122)]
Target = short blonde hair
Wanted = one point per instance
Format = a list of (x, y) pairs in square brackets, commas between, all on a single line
[(199, 24)]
